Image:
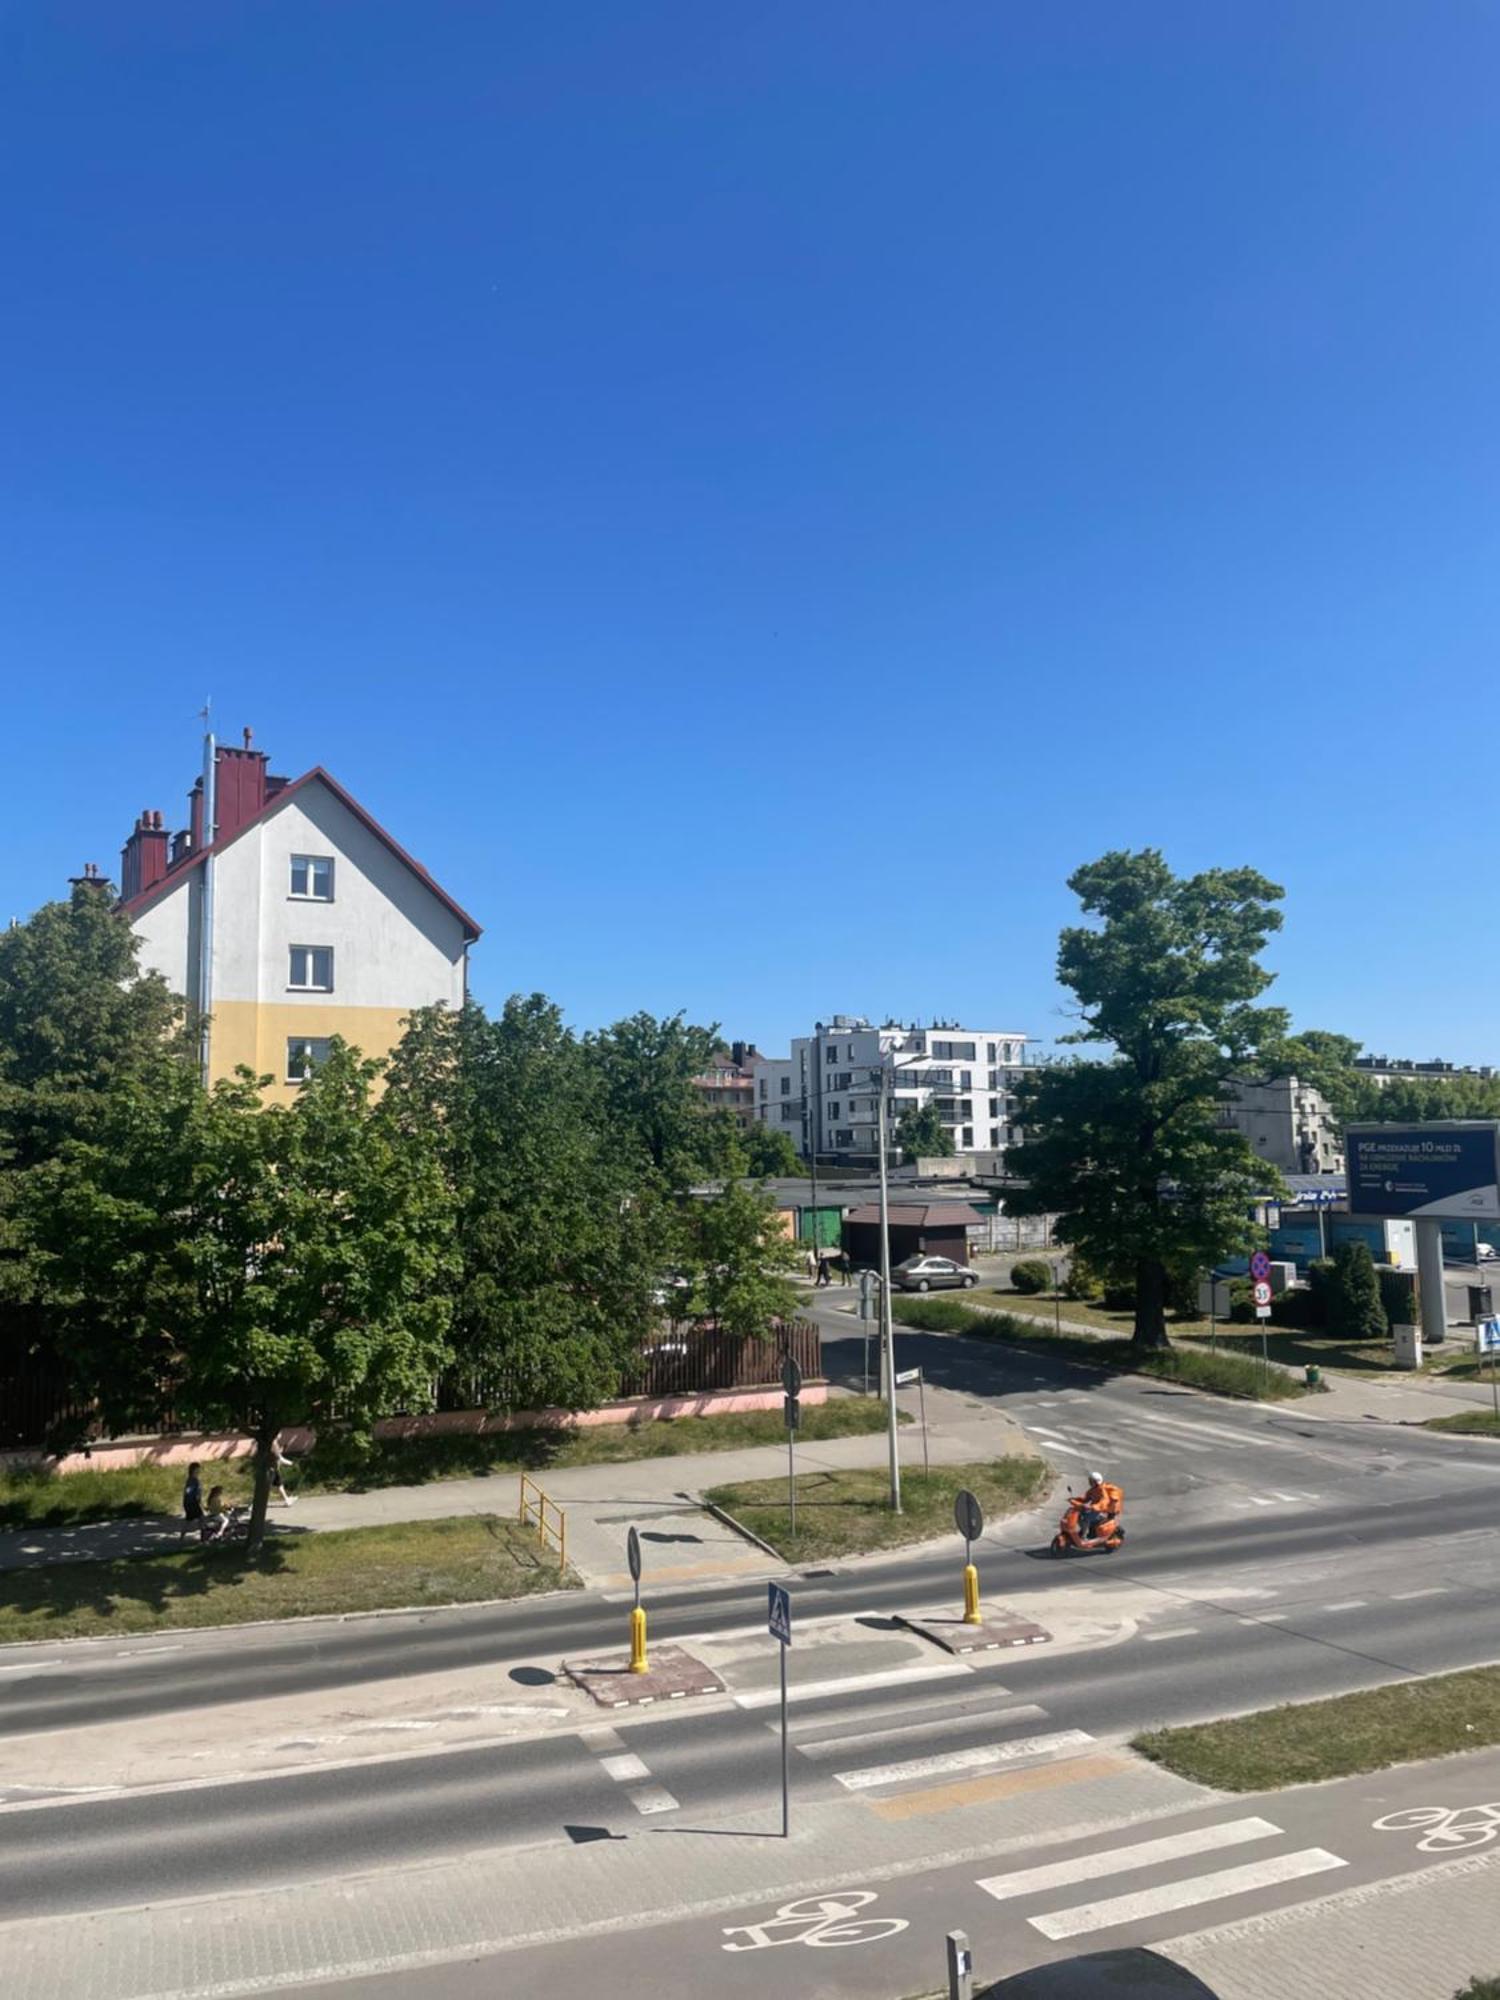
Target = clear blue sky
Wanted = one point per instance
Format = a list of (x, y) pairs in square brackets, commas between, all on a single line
[(754, 496)]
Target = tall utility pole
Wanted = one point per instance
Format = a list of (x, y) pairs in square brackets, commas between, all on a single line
[(812, 1154), (206, 897), (887, 1335)]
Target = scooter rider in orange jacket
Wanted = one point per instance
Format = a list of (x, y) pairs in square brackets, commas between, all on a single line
[(1101, 1503)]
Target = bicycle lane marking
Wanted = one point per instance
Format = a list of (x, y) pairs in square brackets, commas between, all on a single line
[(819, 1921), (1444, 1829)]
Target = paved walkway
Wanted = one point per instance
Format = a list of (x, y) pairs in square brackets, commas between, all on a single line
[(660, 1497)]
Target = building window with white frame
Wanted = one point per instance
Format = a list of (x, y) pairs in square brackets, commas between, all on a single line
[(304, 1054), (312, 878), (310, 968)]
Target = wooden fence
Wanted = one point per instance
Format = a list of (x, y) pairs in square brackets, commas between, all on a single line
[(682, 1360)]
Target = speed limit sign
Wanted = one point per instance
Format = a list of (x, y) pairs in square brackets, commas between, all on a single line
[(1262, 1292)]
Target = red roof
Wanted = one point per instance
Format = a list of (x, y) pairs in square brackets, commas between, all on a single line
[(317, 773)]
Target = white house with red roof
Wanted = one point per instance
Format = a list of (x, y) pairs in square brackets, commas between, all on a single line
[(294, 914)]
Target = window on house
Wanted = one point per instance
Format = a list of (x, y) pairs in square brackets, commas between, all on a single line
[(312, 877), (833, 1109), (311, 968), (968, 1138), (304, 1054), (762, 1086), (994, 1137), (994, 1107), (786, 1086), (991, 1055)]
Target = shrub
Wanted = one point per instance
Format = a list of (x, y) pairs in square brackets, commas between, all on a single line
[(1082, 1282), (1299, 1308), (1031, 1275), (936, 1315), (1354, 1308), (1480, 1989), (1398, 1294), (1242, 1301)]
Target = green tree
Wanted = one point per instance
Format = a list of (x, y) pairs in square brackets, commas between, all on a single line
[(561, 1227), (922, 1135), (79, 1022), (1355, 1309), (768, 1150), (737, 1251), (646, 1069), (1129, 1150), (1325, 1060), (278, 1265)]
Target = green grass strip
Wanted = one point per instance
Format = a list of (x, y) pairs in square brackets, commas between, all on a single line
[(1309, 1741)]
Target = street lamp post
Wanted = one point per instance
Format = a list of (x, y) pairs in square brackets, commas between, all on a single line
[(885, 1069)]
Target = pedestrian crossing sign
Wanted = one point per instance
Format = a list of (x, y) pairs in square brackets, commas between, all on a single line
[(779, 1617)]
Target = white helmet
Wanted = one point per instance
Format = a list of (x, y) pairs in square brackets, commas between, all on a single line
[(1096, 1478)]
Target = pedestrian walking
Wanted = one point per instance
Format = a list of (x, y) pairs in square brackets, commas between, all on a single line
[(846, 1266), (280, 1466), (823, 1277), (192, 1499), (811, 1261)]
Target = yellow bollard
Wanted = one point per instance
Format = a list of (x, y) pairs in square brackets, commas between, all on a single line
[(971, 1595), (638, 1641)]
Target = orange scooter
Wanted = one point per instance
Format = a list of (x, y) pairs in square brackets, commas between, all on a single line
[(1070, 1538)]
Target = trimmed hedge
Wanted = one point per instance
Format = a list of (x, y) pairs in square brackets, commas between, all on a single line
[(1031, 1275)]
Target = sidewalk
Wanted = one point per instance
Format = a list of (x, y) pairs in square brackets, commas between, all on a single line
[(660, 1497)]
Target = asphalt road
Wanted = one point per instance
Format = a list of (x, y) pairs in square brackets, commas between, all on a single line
[(1279, 1558)]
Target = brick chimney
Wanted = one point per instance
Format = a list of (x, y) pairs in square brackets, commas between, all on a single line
[(143, 858), (240, 780)]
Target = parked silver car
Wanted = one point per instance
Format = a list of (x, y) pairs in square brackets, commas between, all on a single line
[(930, 1274)]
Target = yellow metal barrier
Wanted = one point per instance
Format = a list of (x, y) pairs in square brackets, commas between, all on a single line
[(549, 1520)]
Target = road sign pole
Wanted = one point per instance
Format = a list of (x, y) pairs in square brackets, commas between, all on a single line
[(791, 1483), (922, 1400), (960, 1967), (786, 1768)]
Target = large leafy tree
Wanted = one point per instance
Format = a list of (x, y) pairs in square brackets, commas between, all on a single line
[(79, 1023), (646, 1069), (1128, 1148), (769, 1150), (921, 1134), (562, 1232), (737, 1252), (276, 1265)]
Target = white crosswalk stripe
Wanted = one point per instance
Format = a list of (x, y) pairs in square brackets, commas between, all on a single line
[(1165, 1896), (982, 1757), (1120, 1860), (947, 1725)]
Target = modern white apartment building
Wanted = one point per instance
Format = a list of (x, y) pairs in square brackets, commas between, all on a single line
[(825, 1094), (291, 914)]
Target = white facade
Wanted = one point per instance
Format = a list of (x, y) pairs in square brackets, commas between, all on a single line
[(969, 1073), (1286, 1123), (300, 953)]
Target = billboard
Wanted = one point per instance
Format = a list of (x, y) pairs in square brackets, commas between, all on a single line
[(1446, 1170)]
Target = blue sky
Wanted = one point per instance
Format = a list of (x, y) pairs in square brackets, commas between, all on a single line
[(754, 496)]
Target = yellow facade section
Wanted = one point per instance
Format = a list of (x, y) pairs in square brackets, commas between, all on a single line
[(246, 1032)]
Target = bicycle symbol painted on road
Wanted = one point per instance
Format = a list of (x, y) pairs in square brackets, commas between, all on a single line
[(818, 1921), (1448, 1828)]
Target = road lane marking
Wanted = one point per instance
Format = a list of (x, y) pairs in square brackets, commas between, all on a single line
[(1178, 1632), (838, 1746), (1120, 1860), (853, 1683), (624, 1767), (1259, 1500), (1406, 1596), (980, 1758), (1116, 1910), (1349, 1604), (651, 1799)]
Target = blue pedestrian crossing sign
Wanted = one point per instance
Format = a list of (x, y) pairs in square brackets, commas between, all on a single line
[(779, 1617), (1487, 1336)]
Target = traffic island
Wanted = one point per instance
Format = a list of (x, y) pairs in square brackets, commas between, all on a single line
[(997, 1628), (672, 1675)]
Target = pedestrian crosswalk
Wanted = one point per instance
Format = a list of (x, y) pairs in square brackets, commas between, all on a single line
[(1080, 1429), (1162, 1854)]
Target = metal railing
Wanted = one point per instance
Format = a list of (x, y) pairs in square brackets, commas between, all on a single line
[(549, 1520)]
